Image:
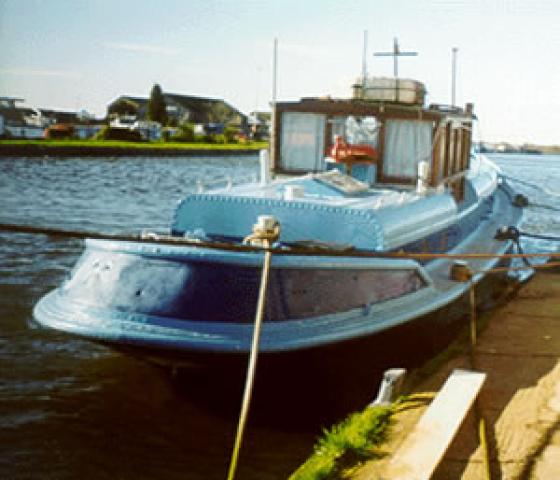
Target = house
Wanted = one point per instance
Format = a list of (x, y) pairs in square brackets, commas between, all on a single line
[(259, 125), (28, 122), (181, 109), (20, 122)]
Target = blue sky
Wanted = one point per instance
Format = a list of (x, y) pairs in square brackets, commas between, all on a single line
[(74, 54)]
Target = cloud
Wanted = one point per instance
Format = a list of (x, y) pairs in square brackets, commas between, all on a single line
[(32, 72), (141, 48)]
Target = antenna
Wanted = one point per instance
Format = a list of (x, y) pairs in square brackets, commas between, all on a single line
[(396, 53), (364, 58), (274, 69), (453, 73)]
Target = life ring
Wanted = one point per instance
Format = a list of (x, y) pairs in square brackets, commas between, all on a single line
[(343, 152)]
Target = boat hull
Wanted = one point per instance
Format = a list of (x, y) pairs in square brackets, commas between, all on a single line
[(188, 304)]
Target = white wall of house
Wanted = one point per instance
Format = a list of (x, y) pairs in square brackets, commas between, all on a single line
[(149, 130), (25, 131), (123, 121)]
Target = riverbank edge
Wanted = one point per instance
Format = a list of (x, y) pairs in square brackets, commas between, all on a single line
[(36, 150), (520, 400), (536, 429)]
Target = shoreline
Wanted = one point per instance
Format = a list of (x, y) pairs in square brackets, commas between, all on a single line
[(518, 349), (124, 150)]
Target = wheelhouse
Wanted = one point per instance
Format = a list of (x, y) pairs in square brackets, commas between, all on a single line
[(409, 140)]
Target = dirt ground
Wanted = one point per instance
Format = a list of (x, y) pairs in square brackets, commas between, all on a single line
[(519, 350)]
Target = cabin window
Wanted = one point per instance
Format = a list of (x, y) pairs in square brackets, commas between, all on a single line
[(303, 141), (407, 142), (354, 130)]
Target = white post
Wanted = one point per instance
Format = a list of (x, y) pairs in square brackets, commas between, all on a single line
[(423, 175), (264, 160)]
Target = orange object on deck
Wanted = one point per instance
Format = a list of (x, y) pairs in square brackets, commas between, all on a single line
[(343, 152)]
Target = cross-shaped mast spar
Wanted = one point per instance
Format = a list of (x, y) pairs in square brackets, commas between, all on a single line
[(396, 53)]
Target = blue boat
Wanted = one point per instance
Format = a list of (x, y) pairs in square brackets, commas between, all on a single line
[(354, 190)]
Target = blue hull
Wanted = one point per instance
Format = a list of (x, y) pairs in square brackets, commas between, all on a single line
[(196, 299)]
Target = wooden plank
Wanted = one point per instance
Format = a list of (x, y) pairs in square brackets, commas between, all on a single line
[(423, 449)]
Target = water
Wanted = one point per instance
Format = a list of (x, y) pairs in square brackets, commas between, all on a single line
[(72, 409)]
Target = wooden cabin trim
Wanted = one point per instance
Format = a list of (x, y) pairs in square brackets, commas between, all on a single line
[(397, 180), (447, 153), (381, 152), (337, 108), (275, 138), (327, 144), (437, 146), (450, 147)]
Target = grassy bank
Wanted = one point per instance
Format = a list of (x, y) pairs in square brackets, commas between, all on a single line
[(121, 148), (346, 444)]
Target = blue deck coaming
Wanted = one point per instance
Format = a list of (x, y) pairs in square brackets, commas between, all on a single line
[(234, 216), (183, 283), (373, 220), (448, 238)]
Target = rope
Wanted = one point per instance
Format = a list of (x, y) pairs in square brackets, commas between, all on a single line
[(286, 249), (265, 236), (531, 185), (551, 238), (542, 205)]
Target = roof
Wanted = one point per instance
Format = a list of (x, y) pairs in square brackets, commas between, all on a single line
[(16, 116), (60, 117), (190, 102)]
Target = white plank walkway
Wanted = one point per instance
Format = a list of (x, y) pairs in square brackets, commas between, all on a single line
[(421, 452)]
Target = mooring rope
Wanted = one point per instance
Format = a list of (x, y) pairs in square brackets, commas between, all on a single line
[(531, 185), (263, 236), (551, 238), (287, 249), (542, 205)]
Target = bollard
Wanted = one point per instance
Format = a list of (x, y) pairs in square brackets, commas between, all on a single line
[(390, 386)]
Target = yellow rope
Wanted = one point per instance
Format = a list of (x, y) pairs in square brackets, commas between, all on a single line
[(477, 410), (484, 446), (266, 231)]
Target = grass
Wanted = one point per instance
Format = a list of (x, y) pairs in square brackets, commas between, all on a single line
[(346, 444), (136, 145)]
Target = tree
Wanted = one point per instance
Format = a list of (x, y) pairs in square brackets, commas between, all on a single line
[(156, 105), (123, 106)]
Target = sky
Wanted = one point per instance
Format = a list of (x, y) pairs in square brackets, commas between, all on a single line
[(82, 54)]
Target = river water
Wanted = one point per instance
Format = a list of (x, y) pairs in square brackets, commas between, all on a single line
[(72, 409)]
